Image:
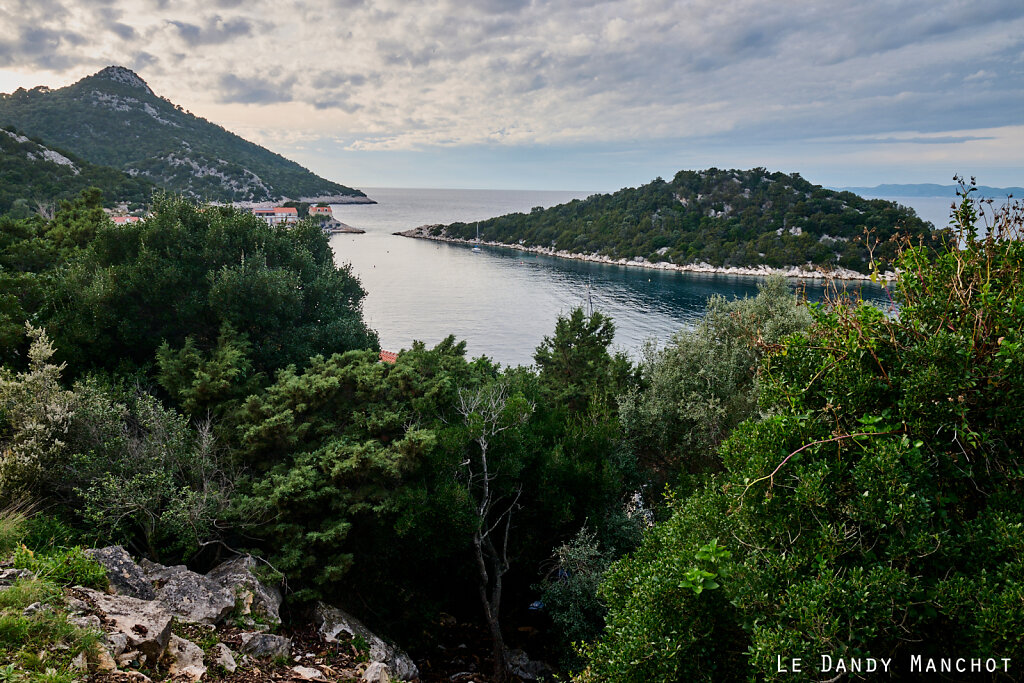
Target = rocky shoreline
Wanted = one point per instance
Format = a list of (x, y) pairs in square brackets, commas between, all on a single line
[(802, 272), (337, 199)]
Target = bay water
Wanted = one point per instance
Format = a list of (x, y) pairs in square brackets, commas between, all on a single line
[(503, 302)]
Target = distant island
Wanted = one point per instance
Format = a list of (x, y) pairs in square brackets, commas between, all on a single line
[(730, 221), (931, 190), (114, 119)]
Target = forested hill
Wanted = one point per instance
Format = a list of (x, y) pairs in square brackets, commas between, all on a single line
[(720, 217), (113, 118), (34, 174)]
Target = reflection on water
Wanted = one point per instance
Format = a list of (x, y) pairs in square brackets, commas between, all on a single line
[(501, 301)]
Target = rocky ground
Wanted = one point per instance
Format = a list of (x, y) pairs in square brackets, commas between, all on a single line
[(158, 623)]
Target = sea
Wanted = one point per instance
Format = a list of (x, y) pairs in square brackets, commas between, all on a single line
[(503, 302)]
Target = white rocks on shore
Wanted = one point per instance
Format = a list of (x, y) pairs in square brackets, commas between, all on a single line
[(802, 272)]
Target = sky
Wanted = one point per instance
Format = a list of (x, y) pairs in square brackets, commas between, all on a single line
[(573, 94)]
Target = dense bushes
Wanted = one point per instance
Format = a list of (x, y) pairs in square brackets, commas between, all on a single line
[(876, 512), (185, 272)]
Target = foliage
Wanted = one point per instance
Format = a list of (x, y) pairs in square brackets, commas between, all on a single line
[(704, 382), (154, 140), (877, 511), (35, 414), (34, 174), (352, 458), (720, 217), (63, 567), (569, 592), (146, 478), (186, 272)]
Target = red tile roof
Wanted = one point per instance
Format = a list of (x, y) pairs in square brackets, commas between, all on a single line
[(388, 356)]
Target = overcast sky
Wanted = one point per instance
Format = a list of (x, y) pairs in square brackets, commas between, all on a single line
[(578, 94)]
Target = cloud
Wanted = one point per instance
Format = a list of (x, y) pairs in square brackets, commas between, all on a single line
[(410, 74), (215, 31)]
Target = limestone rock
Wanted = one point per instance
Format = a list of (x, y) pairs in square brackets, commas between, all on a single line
[(332, 621), (258, 602), (222, 656), (307, 673), (126, 577), (377, 672), (102, 661), (184, 659), (189, 596), (145, 624), (9, 576), (90, 621), (265, 645), (528, 669)]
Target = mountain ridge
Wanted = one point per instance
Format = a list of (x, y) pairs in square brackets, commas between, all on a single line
[(35, 174), (929, 190), (114, 118)]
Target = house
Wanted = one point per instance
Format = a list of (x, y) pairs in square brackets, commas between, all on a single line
[(278, 215), (388, 357), (321, 211), (124, 220)]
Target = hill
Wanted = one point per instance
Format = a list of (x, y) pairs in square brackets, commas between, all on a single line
[(113, 118), (33, 173), (717, 218)]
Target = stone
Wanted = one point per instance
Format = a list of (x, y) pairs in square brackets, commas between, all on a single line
[(308, 673), (255, 601), (528, 669), (332, 621), (102, 661), (9, 576), (130, 658), (223, 657), (187, 595), (88, 622), (118, 643), (80, 662), (126, 577), (184, 659), (145, 624), (377, 672), (265, 645), (32, 609)]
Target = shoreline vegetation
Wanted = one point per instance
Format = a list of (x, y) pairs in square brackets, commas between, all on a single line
[(807, 272)]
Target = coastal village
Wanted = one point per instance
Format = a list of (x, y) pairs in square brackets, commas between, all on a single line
[(277, 215)]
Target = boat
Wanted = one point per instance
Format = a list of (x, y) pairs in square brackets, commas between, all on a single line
[(476, 247)]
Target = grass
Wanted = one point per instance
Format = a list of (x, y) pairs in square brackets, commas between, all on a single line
[(13, 520), (63, 566), (40, 647)]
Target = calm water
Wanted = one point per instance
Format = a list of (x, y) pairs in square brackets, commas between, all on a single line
[(504, 302)]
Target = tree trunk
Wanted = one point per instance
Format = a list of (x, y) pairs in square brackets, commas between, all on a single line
[(492, 608)]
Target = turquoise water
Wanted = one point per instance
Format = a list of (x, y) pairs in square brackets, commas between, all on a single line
[(500, 301)]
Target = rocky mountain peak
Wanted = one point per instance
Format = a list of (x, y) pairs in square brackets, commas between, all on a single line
[(120, 74)]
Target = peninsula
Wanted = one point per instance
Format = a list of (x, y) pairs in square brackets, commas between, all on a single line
[(741, 222)]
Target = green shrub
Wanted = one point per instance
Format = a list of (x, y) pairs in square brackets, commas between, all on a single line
[(64, 567), (876, 512)]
